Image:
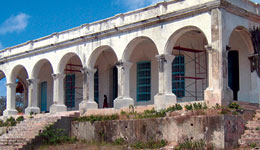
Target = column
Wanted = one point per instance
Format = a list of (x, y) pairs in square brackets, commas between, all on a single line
[(88, 101), (10, 101), (218, 91), (58, 94), (123, 99), (164, 98), (32, 96)]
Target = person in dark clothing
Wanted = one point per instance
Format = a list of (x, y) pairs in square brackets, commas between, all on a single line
[(105, 105)]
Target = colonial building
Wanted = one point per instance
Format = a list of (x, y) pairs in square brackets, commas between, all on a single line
[(170, 52)]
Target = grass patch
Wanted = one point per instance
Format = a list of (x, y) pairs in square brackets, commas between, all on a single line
[(94, 118), (149, 145), (193, 145)]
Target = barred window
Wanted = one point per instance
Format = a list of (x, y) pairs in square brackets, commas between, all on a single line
[(143, 81)]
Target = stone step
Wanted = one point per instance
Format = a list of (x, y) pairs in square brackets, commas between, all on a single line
[(253, 126), (252, 132), (29, 129), (247, 141), (250, 135)]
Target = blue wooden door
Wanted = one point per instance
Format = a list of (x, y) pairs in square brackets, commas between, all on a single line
[(44, 96)]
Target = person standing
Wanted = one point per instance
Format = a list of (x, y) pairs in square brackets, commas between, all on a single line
[(105, 105)]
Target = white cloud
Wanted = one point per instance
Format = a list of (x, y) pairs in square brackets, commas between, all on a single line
[(14, 24), (134, 4)]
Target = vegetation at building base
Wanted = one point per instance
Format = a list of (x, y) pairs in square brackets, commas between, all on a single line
[(118, 144), (198, 108), (11, 121), (94, 118), (149, 145), (193, 145), (53, 136)]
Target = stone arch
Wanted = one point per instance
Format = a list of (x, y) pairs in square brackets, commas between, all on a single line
[(171, 42), (2, 103), (190, 66), (245, 35), (96, 53), (104, 59), (20, 72), (241, 81), (63, 61), (37, 67), (15, 72), (142, 51), (132, 44), (42, 71)]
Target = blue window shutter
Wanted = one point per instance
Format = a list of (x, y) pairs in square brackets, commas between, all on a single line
[(178, 73), (143, 83), (70, 90), (96, 86)]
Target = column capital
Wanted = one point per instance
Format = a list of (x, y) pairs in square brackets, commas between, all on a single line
[(165, 57), (86, 70), (32, 81), (58, 75), (11, 84), (209, 48), (123, 64)]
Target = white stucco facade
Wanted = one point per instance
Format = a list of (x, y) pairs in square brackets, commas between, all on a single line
[(148, 34)]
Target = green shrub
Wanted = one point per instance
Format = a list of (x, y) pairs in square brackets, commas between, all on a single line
[(178, 107), (120, 141), (122, 112), (252, 145), (224, 111), (188, 107), (217, 106), (234, 113), (234, 105), (52, 136), (205, 106), (20, 118)]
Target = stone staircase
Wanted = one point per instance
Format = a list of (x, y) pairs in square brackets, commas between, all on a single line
[(26, 131), (251, 136)]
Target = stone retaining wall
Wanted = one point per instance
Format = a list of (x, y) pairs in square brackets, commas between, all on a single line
[(222, 131)]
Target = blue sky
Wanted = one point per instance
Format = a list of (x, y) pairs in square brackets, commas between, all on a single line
[(25, 20)]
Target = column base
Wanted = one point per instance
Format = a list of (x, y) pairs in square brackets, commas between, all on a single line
[(55, 108), (162, 101), (86, 105), (35, 110), (123, 102), (218, 96), (10, 112)]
